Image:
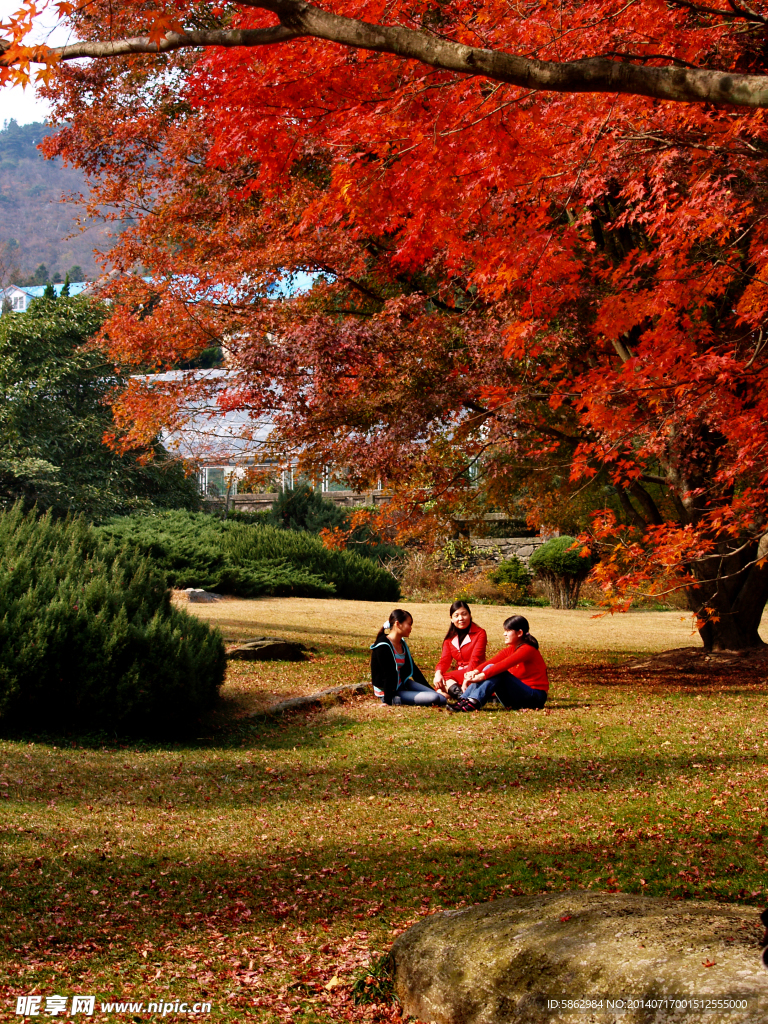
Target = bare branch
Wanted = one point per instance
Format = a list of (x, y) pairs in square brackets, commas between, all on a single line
[(736, 13), (650, 478), (647, 503), (746, 12)]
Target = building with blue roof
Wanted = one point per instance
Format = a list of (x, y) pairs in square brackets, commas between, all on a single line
[(20, 296)]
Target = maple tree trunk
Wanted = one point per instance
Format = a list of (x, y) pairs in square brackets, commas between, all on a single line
[(731, 598)]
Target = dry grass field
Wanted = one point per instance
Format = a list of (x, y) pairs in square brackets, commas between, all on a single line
[(348, 627), (354, 623)]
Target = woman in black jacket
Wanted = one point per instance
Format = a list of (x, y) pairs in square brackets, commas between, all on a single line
[(396, 678)]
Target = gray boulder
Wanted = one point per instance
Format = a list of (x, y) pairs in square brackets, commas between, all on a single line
[(269, 648), (198, 596), (516, 961)]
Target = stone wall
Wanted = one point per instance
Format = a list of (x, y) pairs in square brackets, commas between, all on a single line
[(500, 548)]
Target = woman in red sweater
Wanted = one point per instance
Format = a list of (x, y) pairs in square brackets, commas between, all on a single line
[(465, 644), (517, 674)]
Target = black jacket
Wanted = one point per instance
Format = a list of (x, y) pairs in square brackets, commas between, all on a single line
[(384, 669)]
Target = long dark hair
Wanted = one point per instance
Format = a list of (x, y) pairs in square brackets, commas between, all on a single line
[(398, 615), (454, 608), (520, 622)]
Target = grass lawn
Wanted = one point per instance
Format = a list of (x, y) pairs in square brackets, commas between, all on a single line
[(263, 866)]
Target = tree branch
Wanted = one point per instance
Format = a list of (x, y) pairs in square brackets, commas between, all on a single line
[(171, 41), (651, 478), (736, 13), (630, 509), (647, 503), (592, 74)]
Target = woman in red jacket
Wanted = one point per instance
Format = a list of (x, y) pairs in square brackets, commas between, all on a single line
[(465, 644), (517, 674)]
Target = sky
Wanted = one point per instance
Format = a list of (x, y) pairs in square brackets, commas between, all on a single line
[(23, 105)]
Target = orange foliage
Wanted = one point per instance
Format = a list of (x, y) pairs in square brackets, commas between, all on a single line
[(551, 287), (334, 538)]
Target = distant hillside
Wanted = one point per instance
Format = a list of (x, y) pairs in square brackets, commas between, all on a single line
[(35, 226)]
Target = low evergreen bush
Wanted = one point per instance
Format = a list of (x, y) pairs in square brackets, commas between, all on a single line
[(513, 579), (199, 550), (89, 640), (302, 508), (562, 569)]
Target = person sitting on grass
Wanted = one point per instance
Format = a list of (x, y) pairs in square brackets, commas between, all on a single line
[(517, 674), (395, 676), (465, 644)]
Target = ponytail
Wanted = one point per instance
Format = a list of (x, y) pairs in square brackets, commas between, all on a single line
[(516, 622), (398, 615)]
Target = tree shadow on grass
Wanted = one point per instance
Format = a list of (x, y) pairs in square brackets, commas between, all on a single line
[(239, 776), (696, 675), (566, 705), (90, 902)]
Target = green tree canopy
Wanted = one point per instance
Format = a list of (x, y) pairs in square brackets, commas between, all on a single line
[(54, 415), (562, 567)]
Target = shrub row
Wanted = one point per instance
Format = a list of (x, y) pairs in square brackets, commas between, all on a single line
[(301, 508), (199, 550), (89, 639)]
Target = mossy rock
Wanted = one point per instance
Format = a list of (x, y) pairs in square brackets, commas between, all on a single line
[(506, 962)]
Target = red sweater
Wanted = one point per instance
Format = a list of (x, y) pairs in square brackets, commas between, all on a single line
[(467, 656), (523, 661)]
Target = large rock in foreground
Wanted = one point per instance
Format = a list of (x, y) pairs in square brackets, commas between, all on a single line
[(515, 961)]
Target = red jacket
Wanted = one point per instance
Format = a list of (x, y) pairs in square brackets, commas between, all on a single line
[(523, 661), (467, 656)]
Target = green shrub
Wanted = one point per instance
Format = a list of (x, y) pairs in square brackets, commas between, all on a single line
[(261, 518), (513, 580), (89, 639), (562, 569), (301, 508), (199, 550), (351, 575), (511, 572)]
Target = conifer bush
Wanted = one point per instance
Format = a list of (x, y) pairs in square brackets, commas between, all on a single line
[(89, 640), (302, 508), (200, 550), (562, 569)]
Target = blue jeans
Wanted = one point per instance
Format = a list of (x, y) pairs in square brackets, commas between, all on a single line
[(413, 693), (511, 691)]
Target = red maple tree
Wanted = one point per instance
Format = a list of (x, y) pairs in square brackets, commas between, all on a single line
[(540, 283)]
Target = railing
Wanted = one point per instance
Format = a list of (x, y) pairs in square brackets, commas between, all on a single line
[(263, 502)]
